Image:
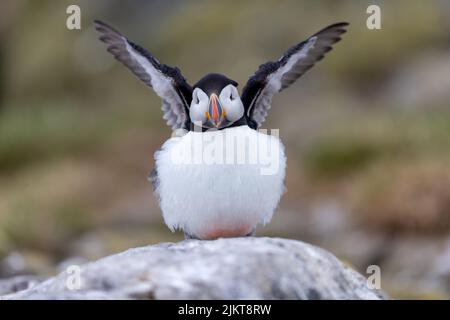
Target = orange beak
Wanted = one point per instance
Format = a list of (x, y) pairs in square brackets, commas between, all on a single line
[(216, 113)]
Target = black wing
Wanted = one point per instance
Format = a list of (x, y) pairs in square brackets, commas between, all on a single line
[(167, 82), (274, 76)]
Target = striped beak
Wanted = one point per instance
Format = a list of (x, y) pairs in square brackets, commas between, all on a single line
[(216, 113)]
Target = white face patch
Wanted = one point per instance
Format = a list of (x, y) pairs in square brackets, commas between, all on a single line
[(231, 102), (199, 106), (228, 100)]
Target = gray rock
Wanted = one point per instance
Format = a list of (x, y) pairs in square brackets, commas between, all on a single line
[(237, 268), (18, 283)]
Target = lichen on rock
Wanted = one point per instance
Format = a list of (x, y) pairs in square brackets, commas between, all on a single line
[(234, 268)]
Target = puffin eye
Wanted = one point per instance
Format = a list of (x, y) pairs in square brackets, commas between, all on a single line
[(198, 96), (229, 93), (199, 105), (195, 97), (232, 104)]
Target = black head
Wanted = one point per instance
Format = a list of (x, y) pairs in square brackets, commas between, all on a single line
[(214, 83), (216, 103)]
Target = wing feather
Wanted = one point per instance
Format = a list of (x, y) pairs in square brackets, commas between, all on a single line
[(167, 82), (275, 76)]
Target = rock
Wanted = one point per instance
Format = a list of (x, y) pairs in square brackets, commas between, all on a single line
[(418, 267), (236, 268), (18, 283)]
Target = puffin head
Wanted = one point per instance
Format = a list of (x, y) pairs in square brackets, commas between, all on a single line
[(215, 102)]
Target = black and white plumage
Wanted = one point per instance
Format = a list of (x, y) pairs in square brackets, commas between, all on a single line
[(167, 82), (211, 200), (275, 76)]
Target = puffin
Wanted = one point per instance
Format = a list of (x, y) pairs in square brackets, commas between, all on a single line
[(220, 174)]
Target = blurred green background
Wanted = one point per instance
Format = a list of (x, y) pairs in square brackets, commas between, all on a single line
[(367, 131)]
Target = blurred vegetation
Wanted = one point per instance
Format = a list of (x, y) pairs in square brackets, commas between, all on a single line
[(38, 133), (400, 136), (398, 168), (406, 196), (78, 131)]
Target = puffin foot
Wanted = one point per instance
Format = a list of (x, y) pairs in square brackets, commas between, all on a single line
[(188, 236), (251, 234)]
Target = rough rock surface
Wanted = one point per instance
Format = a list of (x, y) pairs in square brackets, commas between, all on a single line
[(238, 268), (18, 283)]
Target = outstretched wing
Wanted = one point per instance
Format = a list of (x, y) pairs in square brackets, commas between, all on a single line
[(167, 82), (274, 76)]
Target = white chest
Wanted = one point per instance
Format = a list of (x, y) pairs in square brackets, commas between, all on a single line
[(221, 182)]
